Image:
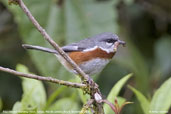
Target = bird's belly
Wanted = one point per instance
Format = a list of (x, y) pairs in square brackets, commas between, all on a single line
[(90, 67), (94, 66)]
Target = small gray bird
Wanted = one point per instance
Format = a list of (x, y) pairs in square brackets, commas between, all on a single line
[(91, 54)]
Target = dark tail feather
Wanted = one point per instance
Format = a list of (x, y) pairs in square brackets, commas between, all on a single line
[(26, 46)]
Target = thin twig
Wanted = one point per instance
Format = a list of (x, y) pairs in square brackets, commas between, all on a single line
[(91, 85), (52, 42), (49, 79)]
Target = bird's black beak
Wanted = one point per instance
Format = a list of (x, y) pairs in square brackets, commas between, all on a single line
[(122, 42)]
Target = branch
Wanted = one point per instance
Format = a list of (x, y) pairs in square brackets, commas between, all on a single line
[(82, 75), (49, 79), (91, 85)]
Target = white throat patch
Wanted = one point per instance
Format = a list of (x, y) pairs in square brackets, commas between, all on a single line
[(109, 50)]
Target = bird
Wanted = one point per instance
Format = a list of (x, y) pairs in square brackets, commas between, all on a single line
[(90, 54)]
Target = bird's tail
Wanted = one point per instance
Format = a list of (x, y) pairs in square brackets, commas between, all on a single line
[(26, 46)]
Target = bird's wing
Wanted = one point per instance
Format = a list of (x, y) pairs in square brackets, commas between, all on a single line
[(70, 48), (80, 46)]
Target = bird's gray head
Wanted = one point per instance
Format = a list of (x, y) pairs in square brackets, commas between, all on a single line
[(107, 41)]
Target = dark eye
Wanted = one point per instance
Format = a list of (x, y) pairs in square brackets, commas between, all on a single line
[(110, 40)]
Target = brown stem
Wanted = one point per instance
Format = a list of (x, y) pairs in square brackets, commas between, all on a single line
[(49, 79)]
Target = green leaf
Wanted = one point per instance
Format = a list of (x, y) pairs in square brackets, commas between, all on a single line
[(17, 107), (55, 95), (22, 68), (161, 101), (117, 87), (115, 91), (34, 96), (145, 104), (64, 104)]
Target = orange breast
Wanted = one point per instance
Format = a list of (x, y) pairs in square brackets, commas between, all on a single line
[(80, 57)]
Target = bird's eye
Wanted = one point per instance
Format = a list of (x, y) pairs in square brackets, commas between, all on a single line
[(110, 41)]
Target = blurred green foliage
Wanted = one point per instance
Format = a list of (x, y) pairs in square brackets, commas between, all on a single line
[(160, 102), (34, 96), (144, 25)]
